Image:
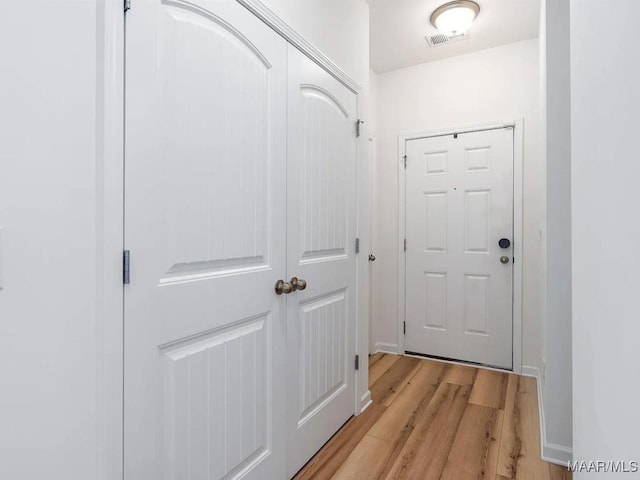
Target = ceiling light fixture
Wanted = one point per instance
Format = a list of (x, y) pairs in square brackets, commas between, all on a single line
[(455, 18)]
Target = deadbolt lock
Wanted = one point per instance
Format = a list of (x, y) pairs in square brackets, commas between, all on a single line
[(504, 243)]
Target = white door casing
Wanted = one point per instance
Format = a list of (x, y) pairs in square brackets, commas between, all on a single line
[(459, 204), (205, 164), (321, 204), (373, 225)]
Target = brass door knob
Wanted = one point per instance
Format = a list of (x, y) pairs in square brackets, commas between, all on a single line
[(283, 287), (298, 283)]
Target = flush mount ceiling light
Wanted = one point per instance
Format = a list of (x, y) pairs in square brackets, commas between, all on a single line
[(455, 18)]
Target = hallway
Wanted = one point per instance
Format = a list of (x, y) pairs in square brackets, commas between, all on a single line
[(432, 420)]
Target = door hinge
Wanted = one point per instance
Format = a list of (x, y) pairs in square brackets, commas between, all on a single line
[(127, 5), (405, 161), (357, 245), (357, 362), (405, 244), (126, 264), (404, 328), (359, 124)]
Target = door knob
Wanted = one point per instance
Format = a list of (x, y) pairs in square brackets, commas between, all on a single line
[(372, 258), (298, 283), (504, 260), (283, 287)]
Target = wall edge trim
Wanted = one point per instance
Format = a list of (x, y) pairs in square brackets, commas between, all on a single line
[(549, 452)]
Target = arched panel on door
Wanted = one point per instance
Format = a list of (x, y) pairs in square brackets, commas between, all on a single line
[(325, 130), (216, 132)]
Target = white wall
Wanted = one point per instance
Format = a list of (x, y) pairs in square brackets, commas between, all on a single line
[(605, 168), (57, 389), (556, 377), (498, 84), (373, 103)]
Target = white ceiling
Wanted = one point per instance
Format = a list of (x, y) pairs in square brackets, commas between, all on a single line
[(398, 29)]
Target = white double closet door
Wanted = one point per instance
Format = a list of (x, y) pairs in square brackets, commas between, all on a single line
[(240, 164)]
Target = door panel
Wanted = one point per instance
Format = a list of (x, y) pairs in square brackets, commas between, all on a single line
[(321, 205), (459, 204), (205, 164), (436, 216), (215, 386), (322, 365), (323, 221)]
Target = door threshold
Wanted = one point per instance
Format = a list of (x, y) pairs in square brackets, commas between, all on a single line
[(458, 362)]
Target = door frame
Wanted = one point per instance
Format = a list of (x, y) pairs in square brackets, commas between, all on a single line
[(373, 223), (518, 167)]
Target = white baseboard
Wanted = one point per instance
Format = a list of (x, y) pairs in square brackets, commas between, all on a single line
[(387, 348), (365, 401), (550, 452), (530, 371), (558, 454)]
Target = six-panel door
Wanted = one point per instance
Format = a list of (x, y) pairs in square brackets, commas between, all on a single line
[(459, 204), (205, 167)]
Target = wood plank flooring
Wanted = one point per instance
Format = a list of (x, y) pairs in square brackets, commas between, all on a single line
[(431, 420)]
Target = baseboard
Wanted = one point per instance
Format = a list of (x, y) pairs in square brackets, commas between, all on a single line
[(365, 401), (550, 452), (387, 348), (530, 371), (558, 454)]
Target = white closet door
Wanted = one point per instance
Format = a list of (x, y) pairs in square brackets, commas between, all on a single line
[(321, 204), (205, 223), (459, 293)]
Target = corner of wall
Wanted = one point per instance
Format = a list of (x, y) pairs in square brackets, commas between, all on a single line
[(550, 452), (555, 365)]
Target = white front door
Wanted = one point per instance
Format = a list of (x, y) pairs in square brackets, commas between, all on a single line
[(206, 226), (321, 204), (459, 231)]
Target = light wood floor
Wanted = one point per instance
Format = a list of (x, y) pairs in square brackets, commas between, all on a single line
[(431, 420)]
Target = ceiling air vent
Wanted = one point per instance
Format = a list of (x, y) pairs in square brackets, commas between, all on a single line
[(438, 39)]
